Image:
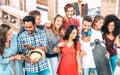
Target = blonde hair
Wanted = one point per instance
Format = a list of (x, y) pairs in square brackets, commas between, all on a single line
[(53, 28)]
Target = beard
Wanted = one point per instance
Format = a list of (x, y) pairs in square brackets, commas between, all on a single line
[(69, 17), (30, 32)]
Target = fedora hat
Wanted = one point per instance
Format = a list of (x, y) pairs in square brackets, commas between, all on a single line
[(37, 54)]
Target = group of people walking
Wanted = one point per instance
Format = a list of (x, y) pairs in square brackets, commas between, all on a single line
[(65, 41)]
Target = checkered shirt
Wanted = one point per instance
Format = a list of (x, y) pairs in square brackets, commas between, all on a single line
[(36, 39)]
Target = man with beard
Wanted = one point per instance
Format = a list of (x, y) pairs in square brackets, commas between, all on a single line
[(30, 39), (37, 15), (68, 19)]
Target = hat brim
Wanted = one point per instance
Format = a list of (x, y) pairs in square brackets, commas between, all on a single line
[(39, 51)]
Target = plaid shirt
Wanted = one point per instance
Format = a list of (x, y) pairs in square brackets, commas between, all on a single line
[(37, 39)]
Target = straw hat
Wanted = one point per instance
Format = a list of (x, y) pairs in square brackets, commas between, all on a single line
[(37, 54)]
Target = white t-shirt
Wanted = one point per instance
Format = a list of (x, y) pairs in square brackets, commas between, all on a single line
[(87, 60), (97, 35)]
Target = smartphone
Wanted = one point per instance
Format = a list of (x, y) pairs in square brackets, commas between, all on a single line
[(24, 45), (20, 52)]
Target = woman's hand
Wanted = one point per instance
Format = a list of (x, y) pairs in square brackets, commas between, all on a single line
[(82, 53), (117, 42), (61, 44), (79, 71), (18, 57), (118, 46), (56, 50), (107, 55)]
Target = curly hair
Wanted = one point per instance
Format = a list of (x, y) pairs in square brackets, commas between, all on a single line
[(108, 20)]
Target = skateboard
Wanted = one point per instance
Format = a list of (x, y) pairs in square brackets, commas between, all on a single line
[(101, 62)]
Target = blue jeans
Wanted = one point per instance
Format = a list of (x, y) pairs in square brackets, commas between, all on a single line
[(54, 64), (86, 71), (113, 62), (44, 72)]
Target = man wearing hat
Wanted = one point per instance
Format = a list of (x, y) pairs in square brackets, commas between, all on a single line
[(32, 42)]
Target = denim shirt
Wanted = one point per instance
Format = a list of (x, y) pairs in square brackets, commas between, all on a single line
[(6, 66)]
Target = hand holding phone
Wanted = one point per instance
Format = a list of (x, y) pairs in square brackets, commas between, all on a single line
[(28, 46)]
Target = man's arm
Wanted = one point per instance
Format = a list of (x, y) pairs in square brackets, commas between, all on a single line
[(20, 46), (44, 41)]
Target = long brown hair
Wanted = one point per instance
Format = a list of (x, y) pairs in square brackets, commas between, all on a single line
[(96, 19), (53, 28), (3, 31)]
